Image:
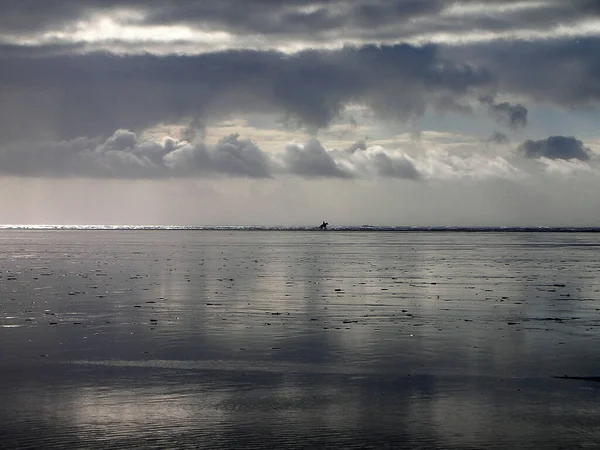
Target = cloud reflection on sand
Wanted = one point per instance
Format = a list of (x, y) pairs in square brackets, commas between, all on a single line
[(414, 339)]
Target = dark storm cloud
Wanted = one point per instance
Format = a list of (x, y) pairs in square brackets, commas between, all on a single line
[(513, 115), (563, 72), (22, 16), (293, 17), (92, 95), (555, 147), (46, 95)]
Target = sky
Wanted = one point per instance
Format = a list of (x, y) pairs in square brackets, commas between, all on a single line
[(265, 112)]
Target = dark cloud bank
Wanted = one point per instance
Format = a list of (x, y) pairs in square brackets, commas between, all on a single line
[(63, 97), (560, 72), (92, 95), (57, 89), (555, 147)]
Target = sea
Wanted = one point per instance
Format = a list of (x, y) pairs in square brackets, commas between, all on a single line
[(289, 337)]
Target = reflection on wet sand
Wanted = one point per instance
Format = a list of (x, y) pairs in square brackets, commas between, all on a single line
[(300, 340)]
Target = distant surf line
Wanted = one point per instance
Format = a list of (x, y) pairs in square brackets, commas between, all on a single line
[(305, 228)]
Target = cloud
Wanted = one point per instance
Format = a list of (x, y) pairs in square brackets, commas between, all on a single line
[(498, 138), (560, 72), (359, 161), (555, 147), (216, 25), (231, 156), (292, 18), (355, 146), (65, 97), (568, 167), (311, 160), (441, 164), (513, 115), (62, 97), (124, 155), (257, 16), (73, 72), (380, 162)]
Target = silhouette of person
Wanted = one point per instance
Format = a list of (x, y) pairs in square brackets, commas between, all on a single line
[(323, 226)]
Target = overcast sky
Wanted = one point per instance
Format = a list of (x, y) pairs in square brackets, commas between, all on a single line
[(383, 112)]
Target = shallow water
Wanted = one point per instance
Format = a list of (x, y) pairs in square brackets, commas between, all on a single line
[(254, 339)]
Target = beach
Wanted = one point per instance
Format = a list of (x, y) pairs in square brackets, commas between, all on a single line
[(299, 339)]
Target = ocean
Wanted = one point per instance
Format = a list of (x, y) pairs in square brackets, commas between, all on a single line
[(287, 337)]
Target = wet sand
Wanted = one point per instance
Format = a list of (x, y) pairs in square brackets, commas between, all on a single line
[(255, 339)]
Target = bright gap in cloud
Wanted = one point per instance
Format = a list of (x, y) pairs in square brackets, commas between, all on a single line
[(476, 9), (585, 28), (109, 29), (109, 35)]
